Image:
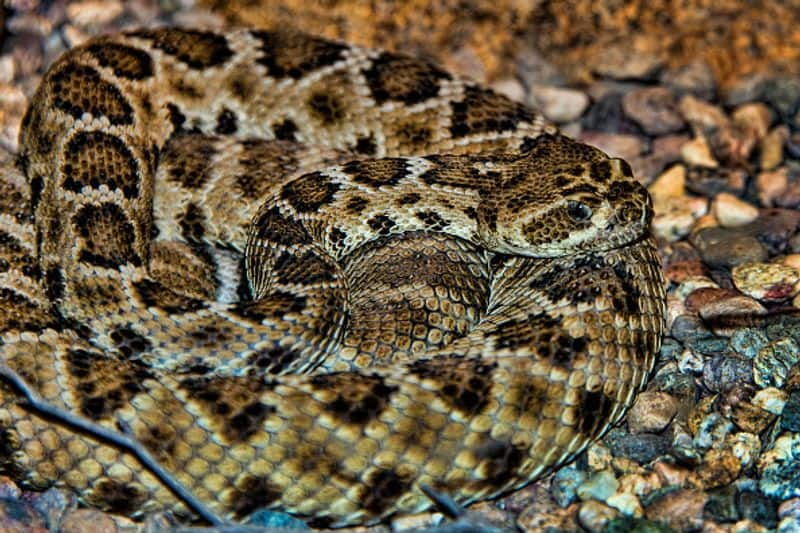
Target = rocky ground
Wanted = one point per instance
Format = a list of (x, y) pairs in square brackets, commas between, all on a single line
[(707, 111)]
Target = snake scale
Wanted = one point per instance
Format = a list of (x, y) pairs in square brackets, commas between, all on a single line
[(311, 277)]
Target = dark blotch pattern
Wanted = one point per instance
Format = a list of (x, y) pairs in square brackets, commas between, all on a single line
[(365, 146), (128, 342), (125, 61), (381, 224), (108, 236), (287, 54), (274, 227), (95, 158), (154, 294), (78, 89), (117, 497), (328, 108), (304, 269), (403, 79), (191, 222), (465, 384), (359, 398), (285, 130), (274, 306), (252, 493), (309, 192), (593, 412), (381, 490), (195, 48), (482, 110), (499, 461), (377, 172), (433, 220), (227, 122), (188, 159)]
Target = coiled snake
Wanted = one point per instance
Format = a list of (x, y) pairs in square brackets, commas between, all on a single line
[(310, 276)]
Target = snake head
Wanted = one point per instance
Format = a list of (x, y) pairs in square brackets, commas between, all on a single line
[(560, 197)]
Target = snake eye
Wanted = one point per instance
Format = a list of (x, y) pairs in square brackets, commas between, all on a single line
[(578, 211)]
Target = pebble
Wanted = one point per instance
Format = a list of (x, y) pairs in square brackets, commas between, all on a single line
[(746, 415), (716, 303), (598, 486), (696, 152), (680, 509), (12, 107), (690, 362), (770, 185), (675, 217), (595, 516), (94, 521), (670, 184), (783, 94), (558, 103), (780, 468), (755, 117), (722, 371), (726, 248), (620, 63), (790, 416), (695, 78), (772, 147), (89, 13), (702, 115), (605, 115), (755, 507), (511, 88), (654, 109), (774, 227), (642, 447), (18, 516), (626, 503), (651, 412), (624, 146), (731, 212), (770, 399), (767, 282), (772, 363), (565, 483)]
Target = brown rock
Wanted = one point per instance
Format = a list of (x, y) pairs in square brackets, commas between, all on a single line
[(651, 412), (654, 109), (681, 510)]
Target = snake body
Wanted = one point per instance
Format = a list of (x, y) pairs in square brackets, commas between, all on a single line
[(311, 277)]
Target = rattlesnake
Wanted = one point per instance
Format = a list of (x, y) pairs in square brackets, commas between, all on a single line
[(440, 289)]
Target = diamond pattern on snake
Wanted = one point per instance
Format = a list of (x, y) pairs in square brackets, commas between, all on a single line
[(311, 277)]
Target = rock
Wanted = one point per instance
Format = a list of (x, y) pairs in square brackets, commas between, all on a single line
[(690, 362), (275, 519), (637, 525), (774, 227), (670, 184), (731, 212), (754, 506), (680, 509), (780, 468), (88, 13), (598, 457), (654, 109), (771, 185), (12, 108), (793, 145), (783, 94), (710, 182), (619, 63), (510, 87), (770, 399), (747, 416), (755, 117), (772, 362), (94, 521), (17, 516), (723, 371), (749, 341), (725, 248), (642, 448), (695, 78), (767, 282), (626, 503), (623, 146), (702, 115), (713, 303), (790, 416), (651, 412), (558, 103), (598, 486), (664, 151), (543, 514), (697, 153), (605, 115), (595, 516), (565, 483), (772, 147)]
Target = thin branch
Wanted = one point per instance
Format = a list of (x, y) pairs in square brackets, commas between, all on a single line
[(124, 441)]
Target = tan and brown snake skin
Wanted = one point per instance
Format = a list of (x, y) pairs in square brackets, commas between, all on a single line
[(310, 277)]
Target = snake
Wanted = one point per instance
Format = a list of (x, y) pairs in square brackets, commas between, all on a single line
[(312, 277)]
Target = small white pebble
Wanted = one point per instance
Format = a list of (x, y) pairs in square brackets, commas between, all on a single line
[(697, 153), (731, 212)]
